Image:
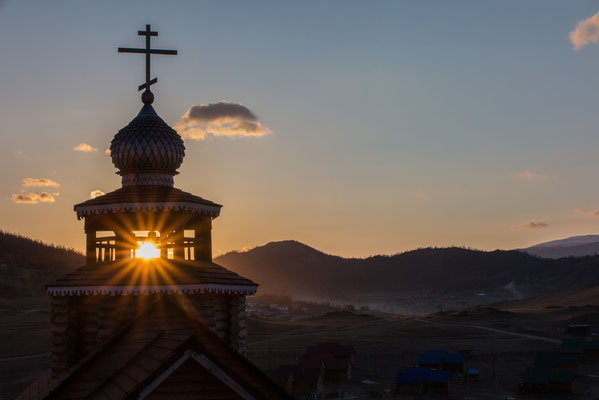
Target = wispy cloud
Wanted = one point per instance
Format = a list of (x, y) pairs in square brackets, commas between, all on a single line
[(96, 193), (33, 198), (219, 119), (534, 225), (585, 32), (85, 148), (39, 182), (529, 175), (587, 213)]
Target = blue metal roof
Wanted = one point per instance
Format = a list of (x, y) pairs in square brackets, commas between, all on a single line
[(453, 358), (436, 377)]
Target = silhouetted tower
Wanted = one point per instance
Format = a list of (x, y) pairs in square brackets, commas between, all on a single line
[(145, 241)]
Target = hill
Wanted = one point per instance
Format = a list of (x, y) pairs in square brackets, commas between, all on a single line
[(300, 271), (27, 265), (575, 246)]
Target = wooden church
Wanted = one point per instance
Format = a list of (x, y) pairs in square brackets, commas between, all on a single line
[(150, 315)]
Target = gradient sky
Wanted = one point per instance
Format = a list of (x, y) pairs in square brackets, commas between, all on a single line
[(395, 125)]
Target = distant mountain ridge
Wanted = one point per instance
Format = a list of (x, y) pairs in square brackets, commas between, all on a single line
[(298, 270), (575, 246)]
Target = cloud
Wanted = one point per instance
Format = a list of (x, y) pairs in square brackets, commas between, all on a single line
[(96, 193), (107, 151), (85, 148), (528, 175), (534, 225), (219, 119), (39, 182), (588, 213), (586, 31), (34, 198)]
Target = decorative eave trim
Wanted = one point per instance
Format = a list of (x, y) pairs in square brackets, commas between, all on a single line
[(82, 210), (151, 289)]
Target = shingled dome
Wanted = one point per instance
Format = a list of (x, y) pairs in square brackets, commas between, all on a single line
[(147, 151)]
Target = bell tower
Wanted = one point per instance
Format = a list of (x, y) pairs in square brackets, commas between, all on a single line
[(144, 241)]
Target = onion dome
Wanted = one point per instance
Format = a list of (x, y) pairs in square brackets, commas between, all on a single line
[(147, 151)]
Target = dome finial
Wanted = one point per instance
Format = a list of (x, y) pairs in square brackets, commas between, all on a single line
[(147, 97)]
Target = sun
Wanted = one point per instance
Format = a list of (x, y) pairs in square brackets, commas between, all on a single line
[(147, 250)]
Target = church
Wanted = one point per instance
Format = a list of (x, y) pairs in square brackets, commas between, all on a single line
[(150, 315)]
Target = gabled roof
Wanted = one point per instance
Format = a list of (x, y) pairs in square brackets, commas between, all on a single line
[(144, 198), (143, 277), (133, 361)]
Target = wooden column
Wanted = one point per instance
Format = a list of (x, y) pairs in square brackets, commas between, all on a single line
[(203, 239), (90, 247), (179, 250)]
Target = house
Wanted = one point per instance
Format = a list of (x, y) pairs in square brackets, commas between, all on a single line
[(560, 382), (472, 375), (453, 363), (558, 362), (534, 381), (409, 380), (571, 346), (442, 359), (467, 353), (334, 358), (299, 381), (431, 358), (538, 380), (579, 330), (435, 382), (590, 349)]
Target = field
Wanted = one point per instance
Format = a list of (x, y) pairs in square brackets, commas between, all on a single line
[(503, 340)]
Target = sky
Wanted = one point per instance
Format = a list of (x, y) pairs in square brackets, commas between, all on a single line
[(374, 127)]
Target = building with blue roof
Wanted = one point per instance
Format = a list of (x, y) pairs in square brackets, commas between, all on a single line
[(435, 382)]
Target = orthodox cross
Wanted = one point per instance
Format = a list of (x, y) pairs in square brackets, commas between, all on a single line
[(148, 33)]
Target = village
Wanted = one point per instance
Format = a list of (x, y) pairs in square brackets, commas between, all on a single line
[(318, 351)]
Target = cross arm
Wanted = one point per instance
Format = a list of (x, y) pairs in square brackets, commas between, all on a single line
[(143, 51), (145, 33)]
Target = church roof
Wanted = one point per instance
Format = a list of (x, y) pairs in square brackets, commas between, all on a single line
[(147, 143), (139, 358), (156, 276), (136, 198)]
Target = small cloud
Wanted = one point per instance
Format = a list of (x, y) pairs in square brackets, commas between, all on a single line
[(587, 213), (528, 175), (39, 182), (96, 193), (585, 32), (107, 151), (34, 198), (534, 225), (219, 119), (85, 148)]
